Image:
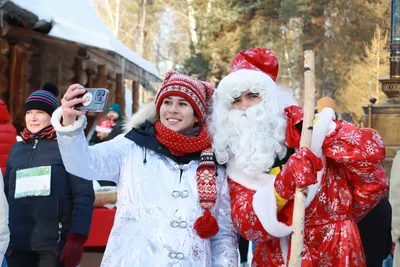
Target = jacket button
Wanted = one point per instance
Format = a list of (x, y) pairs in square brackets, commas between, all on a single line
[(184, 193), (175, 193), (183, 224), (172, 255)]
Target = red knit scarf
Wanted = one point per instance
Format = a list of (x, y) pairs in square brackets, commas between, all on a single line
[(46, 133), (179, 145)]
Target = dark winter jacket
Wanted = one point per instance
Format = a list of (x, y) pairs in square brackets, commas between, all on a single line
[(375, 233), (41, 223), (8, 135)]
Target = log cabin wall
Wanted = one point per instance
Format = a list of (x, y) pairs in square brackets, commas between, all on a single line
[(28, 58)]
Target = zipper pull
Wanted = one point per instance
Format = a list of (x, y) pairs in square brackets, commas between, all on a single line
[(36, 142), (59, 232)]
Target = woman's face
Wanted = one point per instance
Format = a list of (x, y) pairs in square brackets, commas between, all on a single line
[(177, 114), (36, 120)]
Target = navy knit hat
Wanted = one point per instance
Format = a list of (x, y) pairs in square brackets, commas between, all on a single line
[(43, 99)]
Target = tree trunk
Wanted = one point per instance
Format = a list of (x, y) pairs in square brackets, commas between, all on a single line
[(305, 141), (142, 24), (192, 24), (117, 11)]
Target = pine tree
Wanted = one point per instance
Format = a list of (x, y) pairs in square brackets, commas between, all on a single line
[(363, 77)]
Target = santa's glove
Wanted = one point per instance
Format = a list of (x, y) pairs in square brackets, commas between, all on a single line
[(73, 250), (300, 171)]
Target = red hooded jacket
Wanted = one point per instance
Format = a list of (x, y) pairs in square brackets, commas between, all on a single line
[(8, 135)]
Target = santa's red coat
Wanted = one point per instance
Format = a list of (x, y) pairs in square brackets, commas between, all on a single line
[(8, 135), (352, 183)]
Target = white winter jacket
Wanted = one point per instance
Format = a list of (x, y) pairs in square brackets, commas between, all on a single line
[(394, 198), (4, 230), (158, 203)]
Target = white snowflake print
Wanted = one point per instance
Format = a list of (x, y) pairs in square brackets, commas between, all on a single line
[(253, 235), (322, 198), (364, 163), (324, 260), (251, 218), (277, 257), (371, 148), (353, 138), (237, 222), (339, 251), (327, 232), (300, 179), (379, 140)]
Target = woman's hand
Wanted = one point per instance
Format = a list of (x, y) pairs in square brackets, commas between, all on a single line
[(68, 102)]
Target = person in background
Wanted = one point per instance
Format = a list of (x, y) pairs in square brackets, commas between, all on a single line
[(103, 130), (394, 197), (173, 200), (114, 115), (4, 230), (50, 209), (7, 135)]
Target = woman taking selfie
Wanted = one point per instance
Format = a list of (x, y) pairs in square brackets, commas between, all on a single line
[(50, 209), (173, 202)]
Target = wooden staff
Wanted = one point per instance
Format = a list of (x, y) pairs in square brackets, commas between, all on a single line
[(296, 249)]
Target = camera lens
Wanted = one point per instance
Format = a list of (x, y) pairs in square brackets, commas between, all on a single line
[(103, 92), (98, 98), (98, 93)]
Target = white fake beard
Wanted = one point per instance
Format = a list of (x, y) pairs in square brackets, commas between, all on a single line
[(251, 138)]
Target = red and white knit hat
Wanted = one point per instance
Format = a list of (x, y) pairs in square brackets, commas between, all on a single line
[(196, 92), (104, 126)]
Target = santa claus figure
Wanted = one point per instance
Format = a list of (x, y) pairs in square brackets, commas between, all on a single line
[(256, 133)]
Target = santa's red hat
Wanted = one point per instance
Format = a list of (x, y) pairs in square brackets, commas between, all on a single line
[(255, 70), (104, 126), (257, 59)]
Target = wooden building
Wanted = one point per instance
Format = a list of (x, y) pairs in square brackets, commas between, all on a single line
[(32, 53)]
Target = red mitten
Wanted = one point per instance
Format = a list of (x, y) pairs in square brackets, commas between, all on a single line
[(300, 171), (73, 250)]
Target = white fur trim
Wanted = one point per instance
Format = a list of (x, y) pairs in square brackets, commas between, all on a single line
[(247, 180), (146, 112), (265, 207), (241, 80), (284, 242), (264, 201), (56, 122), (103, 129), (322, 128)]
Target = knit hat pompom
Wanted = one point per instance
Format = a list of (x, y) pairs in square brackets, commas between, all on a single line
[(206, 226), (50, 87)]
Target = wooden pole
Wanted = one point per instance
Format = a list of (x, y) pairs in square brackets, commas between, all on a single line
[(296, 249)]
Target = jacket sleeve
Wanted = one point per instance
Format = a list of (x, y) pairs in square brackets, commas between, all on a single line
[(83, 200), (4, 230), (99, 162), (394, 197), (255, 213), (224, 243), (359, 153), (6, 180)]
